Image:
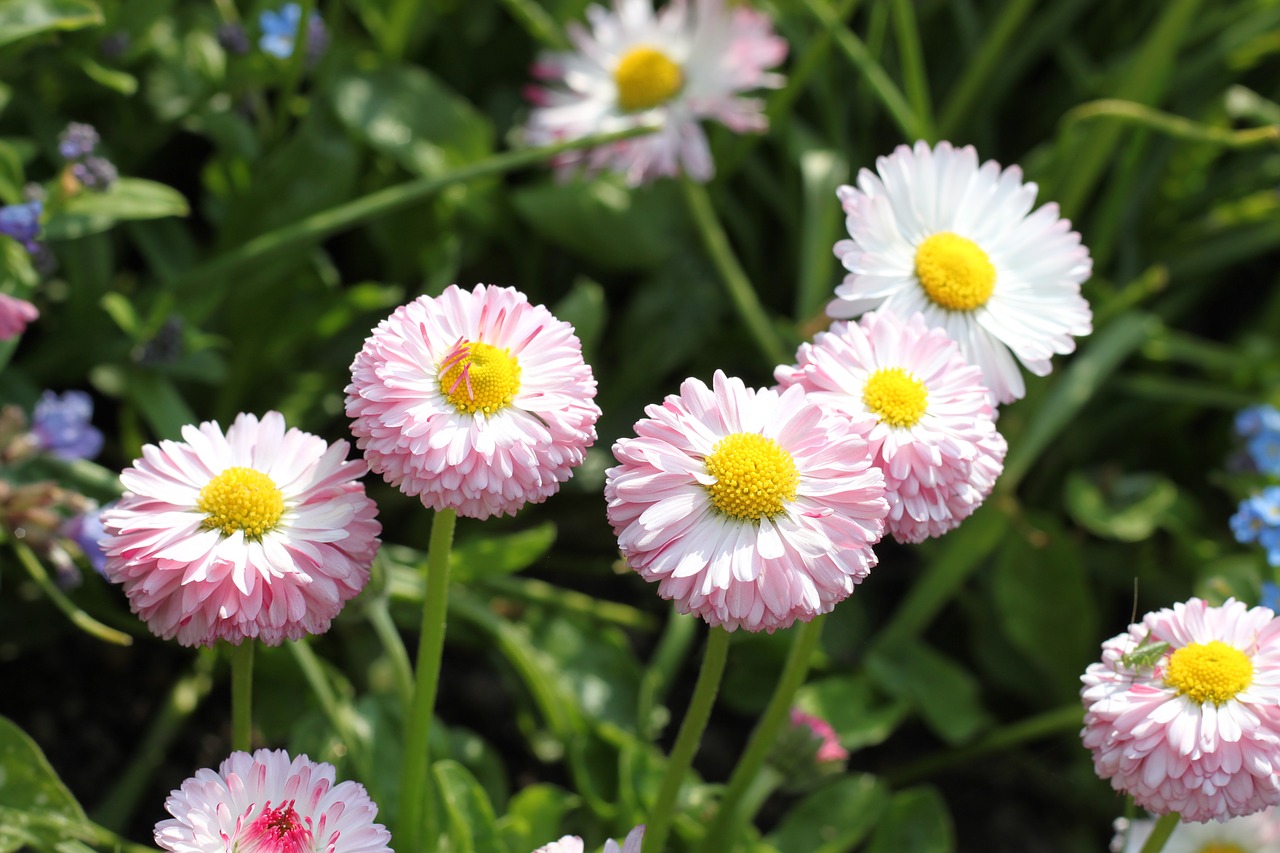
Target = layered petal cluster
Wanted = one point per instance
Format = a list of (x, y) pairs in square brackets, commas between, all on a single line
[(1183, 711), (932, 231), (671, 68), (267, 803), (1255, 833), (474, 400), (750, 508), (923, 409), (574, 844), (259, 533)]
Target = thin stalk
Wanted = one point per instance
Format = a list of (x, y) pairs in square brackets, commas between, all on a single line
[(883, 86), (1160, 832), (417, 817), (78, 617), (914, 78), (1178, 127), (242, 695), (737, 285), (538, 23), (1048, 724), (397, 27), (733, 811), (695, 722), (379, 617), (313, 671), (297, 61), (318, 226), (978, 71)]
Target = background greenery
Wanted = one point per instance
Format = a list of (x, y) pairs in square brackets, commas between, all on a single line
[(307, 202)]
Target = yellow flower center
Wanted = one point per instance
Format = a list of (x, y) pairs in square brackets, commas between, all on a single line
[(479, 379), (1209, 672), (646, 77), (955, 272), (241, 499), (1221, 847), (897, 397), (754, 476)]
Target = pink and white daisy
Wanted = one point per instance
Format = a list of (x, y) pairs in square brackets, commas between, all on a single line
[(573, 844), (262, 533), (921, 406), (751, 508), (265, 803), (1183, 712), (15, 314), (934, 232), (476, 401), (1255, 833), (670, 68)]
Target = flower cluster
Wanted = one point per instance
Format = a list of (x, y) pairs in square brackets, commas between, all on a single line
[(76, 145), (22, 223), (1257, 518), (62, 425), (279, 28)]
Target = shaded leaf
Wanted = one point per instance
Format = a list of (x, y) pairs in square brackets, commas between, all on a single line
[(128, 198), (22, 18), (917, 820), (945, 694), (835, 817)]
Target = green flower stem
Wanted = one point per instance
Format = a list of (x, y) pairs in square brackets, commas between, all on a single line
[(339, 716), (889, 94), (1160, 833), (690, 735), (417, 831), (734, 804), (379, 616), (1178, 127), (736, 283), (318, 226), (115, 809), (78, 617), (914, 77), (242, 695), (1050, 723)]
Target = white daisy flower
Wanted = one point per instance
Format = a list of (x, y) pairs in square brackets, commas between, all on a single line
[(669, 68), (934, 232)]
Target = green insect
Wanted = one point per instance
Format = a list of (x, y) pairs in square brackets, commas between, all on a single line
[(1146, 655)]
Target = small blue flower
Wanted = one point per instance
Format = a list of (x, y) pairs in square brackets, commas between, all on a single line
[(77, 141), (61, 425), (87, 532), (280, 27), (21, 221), (1257, 519), (1264, 451), (1271, 596), (1256, 419)]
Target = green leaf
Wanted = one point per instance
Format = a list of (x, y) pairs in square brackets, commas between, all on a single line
[(11, 174), (835, 817), (89, 212), (606, 222), (917, 820), (472, 826), (38, 809), (22, 18), (1127, 507), (1043, 602), (409, 115), (534, 816), (501, 555), (858, 713), (946, 695)]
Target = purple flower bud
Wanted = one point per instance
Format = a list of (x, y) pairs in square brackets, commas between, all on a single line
[(86, 531), (77, 141), (21, 221), (233, 39), (95, 173)]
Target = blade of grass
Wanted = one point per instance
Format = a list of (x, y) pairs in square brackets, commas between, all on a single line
[(979, 70), (915, 79)]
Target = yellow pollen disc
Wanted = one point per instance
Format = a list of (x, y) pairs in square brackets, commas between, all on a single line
[(646, 77), (1209, 672), (897, 397), (954, 272), (242, 499), (754, 476), (479, 379)]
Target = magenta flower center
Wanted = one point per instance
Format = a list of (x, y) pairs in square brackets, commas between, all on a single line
[(895, 396), (646, 77), (242, 499), (278, 830), (755, 477), (954, 272), (1209, 672), (478, 378)]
